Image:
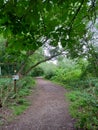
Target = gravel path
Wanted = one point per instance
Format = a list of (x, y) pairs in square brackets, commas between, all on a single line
[(48, 110)]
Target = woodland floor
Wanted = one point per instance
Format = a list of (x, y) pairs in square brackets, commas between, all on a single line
[(48, 110)]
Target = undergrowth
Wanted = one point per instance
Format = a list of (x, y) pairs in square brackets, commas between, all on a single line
[(84, 108), (83, 97), (17, 102), (20, 106), (24, 88)]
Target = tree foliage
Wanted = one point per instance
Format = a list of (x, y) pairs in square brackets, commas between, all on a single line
[(27, 25), (25, 22)]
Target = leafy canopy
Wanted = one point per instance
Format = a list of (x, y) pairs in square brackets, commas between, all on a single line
[(28, 24)]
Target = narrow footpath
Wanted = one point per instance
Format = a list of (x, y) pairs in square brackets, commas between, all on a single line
[(48, 110)]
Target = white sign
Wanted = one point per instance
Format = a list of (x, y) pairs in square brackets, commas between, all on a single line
[(15, 77)]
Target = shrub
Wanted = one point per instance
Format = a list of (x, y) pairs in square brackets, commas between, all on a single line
[(49, 70), (24, 86), (38, 71), (84, 107)]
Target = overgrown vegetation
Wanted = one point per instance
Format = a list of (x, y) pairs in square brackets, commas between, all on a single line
[(17, 102), (83, 94), (84, 108)]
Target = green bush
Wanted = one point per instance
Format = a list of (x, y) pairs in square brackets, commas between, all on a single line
[(6, 89), (25, 85), (7, 95), (49, 70), (84, 107), (65, 76), (38, 71), (20, 106), (27, 81)]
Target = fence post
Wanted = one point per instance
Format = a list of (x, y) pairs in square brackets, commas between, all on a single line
[(15, 86)]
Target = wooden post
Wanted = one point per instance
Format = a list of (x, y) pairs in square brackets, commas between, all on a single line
[(15, 82), (15, 90), (0, 103)]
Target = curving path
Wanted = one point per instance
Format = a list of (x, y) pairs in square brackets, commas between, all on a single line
[(48, 110)]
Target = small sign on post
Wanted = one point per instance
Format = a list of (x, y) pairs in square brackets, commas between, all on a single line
[(15, 78)]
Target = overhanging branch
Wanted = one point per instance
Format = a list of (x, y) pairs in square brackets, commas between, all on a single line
[(74, 17), (42, 61), (29, 53), (76, 13)]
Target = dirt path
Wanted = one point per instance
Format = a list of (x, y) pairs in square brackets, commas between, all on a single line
[(49, 110)]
